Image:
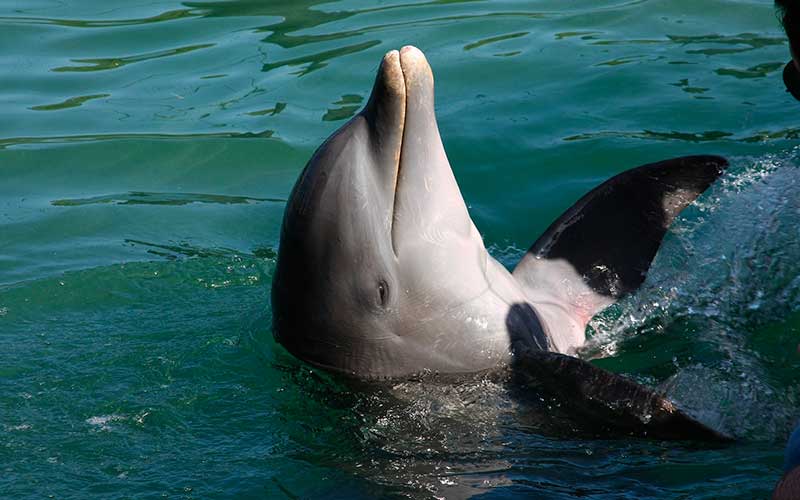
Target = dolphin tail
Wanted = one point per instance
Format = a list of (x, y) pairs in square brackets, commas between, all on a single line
[(601, 248)]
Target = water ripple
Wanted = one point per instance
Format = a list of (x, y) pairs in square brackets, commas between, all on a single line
[(706, 136), (494, 39), (66, 139), (72, 102), (757, 71), (750, 41), (107, 63), (692, 137), (320, 59), (173, 199), (171, 15)]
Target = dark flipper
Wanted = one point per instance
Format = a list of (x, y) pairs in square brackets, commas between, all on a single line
[(611, 235), (595, 253), (608, 401), (601, 248)]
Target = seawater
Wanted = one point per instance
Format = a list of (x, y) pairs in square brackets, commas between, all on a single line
[(146, 153)]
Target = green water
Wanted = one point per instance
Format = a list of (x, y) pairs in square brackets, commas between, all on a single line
[(147, 150)]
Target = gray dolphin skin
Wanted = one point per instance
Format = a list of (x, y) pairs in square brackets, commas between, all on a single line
[(382, 274)]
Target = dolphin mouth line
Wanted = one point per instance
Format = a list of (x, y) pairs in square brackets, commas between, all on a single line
[(399, 153)]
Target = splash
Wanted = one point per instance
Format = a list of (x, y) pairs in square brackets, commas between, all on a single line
[(704, 322)]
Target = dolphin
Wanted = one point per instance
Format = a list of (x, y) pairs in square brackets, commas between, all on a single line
[(382, 274)]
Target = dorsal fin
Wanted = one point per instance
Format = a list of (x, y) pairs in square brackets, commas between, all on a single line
[(601, 248)]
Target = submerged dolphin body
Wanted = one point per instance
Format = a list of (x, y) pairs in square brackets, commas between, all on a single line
[(381, 272)]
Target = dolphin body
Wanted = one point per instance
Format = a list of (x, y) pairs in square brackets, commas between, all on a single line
[(382, 274)]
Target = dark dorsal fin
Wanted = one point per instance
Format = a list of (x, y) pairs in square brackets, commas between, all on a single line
[(611, 235), (607, 401)]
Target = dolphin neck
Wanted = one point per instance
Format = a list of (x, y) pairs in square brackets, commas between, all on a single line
[(525, 327)]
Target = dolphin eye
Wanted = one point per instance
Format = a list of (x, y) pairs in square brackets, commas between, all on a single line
[(383, 293)]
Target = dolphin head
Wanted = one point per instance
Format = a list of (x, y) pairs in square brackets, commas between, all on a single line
[(381, 272)]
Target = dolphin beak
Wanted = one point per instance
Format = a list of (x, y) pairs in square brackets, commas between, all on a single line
[(404, 78), (418, 79), (427, 200), (411, 168), (404, 85), (385, 114)]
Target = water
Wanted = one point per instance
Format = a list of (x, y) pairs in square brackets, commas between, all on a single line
[(147, 149)]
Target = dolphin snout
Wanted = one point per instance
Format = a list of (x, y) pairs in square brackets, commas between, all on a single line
[(391, 72), (404, 78), (416, 71), (403, 87), (401, 71)]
